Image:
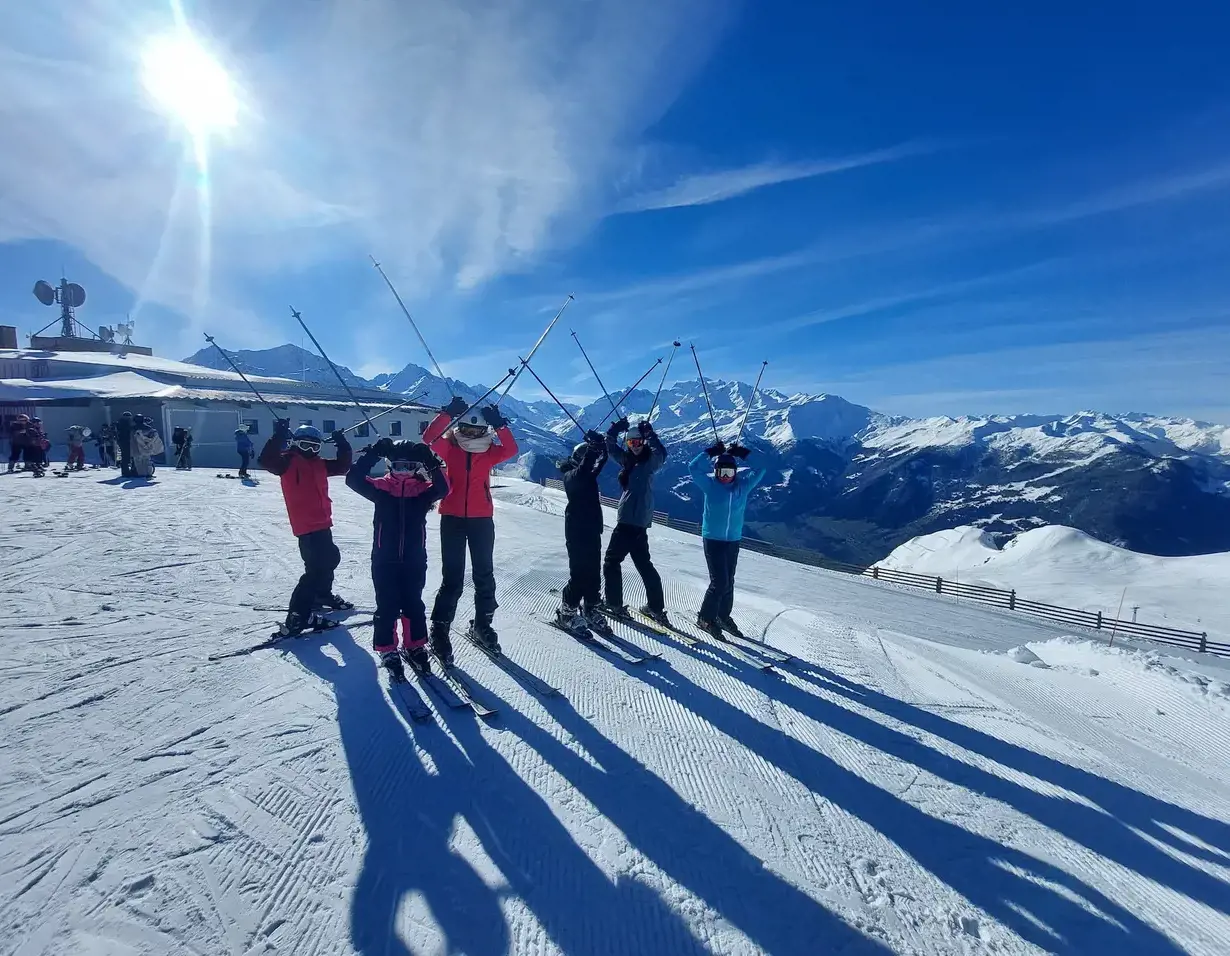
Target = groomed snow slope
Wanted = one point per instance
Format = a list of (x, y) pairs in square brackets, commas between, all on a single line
[(907, 787), (1061, 565)]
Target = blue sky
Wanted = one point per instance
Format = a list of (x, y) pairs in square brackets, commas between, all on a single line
[(929, 209)]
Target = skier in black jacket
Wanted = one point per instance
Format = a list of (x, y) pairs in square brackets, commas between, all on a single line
[(402, 498), (583, 537)]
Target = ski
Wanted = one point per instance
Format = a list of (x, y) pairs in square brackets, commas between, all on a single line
[(734, 650), (771, 653), (459, 690), (514, 670), (651, 626), (410, 699), (590, 639), (273, 640), (630, 646)]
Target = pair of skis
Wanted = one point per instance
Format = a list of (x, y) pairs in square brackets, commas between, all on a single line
[(741, 648), (275, 639), (610, 644), (452, 686)]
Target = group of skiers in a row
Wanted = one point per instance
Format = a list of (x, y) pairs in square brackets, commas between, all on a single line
[(132, 443), (452, 466)]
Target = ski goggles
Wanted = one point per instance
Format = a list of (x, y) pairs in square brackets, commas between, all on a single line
[(469, 430), (309, 445), (636, 444), (726, 473), (408, 468)]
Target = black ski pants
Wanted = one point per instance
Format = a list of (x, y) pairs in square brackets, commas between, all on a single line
[(244, 458), (455, 534), (399, 594), (584, 544), (320, 560), (722, 557), (629, 540)]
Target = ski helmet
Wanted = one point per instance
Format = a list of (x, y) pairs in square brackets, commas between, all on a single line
[(473, 434), (725, 468), (307, 439)]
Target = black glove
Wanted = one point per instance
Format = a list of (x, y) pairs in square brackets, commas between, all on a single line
[(456, 407), (618, 427), (281, 428), (739, 451), (644, 427), (420, 453), (593, 438), (339, 437), (383, 447), (492, 416), (714, 450)]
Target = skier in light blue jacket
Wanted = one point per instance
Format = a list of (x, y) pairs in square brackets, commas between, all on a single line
[(726, 490)]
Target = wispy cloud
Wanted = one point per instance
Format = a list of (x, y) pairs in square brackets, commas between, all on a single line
[(700, 189)]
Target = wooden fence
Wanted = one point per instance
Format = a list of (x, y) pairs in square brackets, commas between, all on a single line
[(995, 597)]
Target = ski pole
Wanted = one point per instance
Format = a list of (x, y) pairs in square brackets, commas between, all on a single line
[(409, 401), (751, 401), (511, 373), (530, 358), (413, 324), (299, 319), (210, 339), (665, 372), (526, 364), (624, 397), (605, 393), (705, 388)]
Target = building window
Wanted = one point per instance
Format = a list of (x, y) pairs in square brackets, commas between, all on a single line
[(360, 431), (330, 426), (252, 425), (423, 426), (305, 421), (395, 428)]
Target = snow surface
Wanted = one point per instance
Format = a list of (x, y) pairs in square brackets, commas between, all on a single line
[(1061, 565), (906, 786)]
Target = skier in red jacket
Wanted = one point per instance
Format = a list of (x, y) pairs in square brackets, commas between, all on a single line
[(305, 487), (466, 517)]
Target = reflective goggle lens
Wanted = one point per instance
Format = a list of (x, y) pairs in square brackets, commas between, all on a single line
[(306, 444), (726, 474)]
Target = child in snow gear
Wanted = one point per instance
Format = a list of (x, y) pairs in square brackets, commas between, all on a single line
[(583, 536), (639, 457), (36, 447), (146, 444), (76, 447), (402, 496), (305, 488), (466, 517), (726, 491), (181, 438), (18, 440), (243, 445)]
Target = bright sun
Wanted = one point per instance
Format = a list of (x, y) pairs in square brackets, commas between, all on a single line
[(189, 83)]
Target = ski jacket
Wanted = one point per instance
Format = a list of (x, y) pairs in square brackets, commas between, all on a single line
[(725, 505), (584, 510), (243, 444), (305, 483), (18, 435), (636, 502), (469, 473), (399, 522), (75, 437)]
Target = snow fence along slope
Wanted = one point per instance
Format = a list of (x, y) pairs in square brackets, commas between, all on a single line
[(905, 787)]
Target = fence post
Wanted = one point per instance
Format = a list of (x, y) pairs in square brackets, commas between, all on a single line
[(939, 585), (875, 573), (1204, 642), (1012, 600), (1099, 624)]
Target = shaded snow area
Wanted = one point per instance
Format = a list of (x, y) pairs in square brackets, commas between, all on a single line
[(1065, 566), (903, 786)]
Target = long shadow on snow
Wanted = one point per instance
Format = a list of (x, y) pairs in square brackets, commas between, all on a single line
[(130, 482), (1038, 901), (409, 815), (1108, 833)]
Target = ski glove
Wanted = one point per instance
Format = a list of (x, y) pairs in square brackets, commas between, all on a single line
[(457, 406), (593, 438), (281, 428), (421, 453), (339, 437), (739, 451), (618, 427), (384, 447), (492, 416), (714, 450), (644, 427)]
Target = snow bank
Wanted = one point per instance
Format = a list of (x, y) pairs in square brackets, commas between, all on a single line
[(1065, 566)]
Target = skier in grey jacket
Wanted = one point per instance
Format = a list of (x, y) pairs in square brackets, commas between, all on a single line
[(639, 456)]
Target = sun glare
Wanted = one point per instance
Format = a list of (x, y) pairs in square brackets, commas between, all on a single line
[(190, 84)]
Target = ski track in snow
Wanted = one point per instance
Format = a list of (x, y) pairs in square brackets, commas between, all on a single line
[(903, 786)]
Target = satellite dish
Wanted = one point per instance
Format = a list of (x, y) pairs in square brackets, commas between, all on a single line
[(44, 293), (75, 295)]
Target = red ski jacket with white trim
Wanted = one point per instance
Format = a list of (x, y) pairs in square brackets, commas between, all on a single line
[(469, 473), (305, 483)]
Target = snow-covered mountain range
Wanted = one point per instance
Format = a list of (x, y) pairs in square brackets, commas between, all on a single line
[(855, 483)]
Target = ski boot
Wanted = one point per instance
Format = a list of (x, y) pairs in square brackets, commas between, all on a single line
[(728, 625), (596, 622), (391, 662), (658, 617), (484, 635), (441, 644), (710, 627), (417, 658), (616, 610), (572, 621), (334, 602), (296, 624)]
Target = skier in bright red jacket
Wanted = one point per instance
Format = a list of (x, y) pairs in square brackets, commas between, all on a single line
[(305, 487), (466, 518)]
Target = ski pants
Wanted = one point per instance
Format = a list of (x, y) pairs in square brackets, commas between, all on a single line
[(76, 457), (722, 557), (629, 540), (320, 560), (584, 585), (399, 595), (244, 458), (455, 534), (15, 454), (126, 469)]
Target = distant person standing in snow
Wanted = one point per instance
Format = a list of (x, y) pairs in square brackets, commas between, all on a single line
[(726, 490), (123, 438), (582, 594), (102, 442), (36, 447), (639, 457), (243, 445), (146, 444), (402, 498), (305, 488), (183, 450), (18, 439), (467, 518), (76, 448)]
